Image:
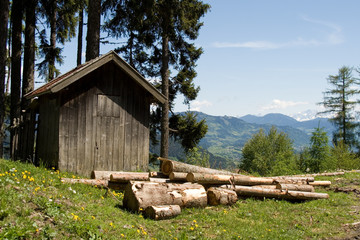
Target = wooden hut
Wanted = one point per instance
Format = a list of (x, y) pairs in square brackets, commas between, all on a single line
[(95, 117)]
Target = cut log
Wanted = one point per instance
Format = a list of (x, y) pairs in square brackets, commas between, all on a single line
[(277, 193), (289, 179), (93, 182), (162, 212), (178, 176), (320, 183), (106, 174), (168, 166), (160, 180), (295, 187), (221, 196), (144, 194), (204, 178), (232, 187), (129, 176)]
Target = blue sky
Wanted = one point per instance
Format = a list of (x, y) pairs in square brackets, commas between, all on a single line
[(264, 56)]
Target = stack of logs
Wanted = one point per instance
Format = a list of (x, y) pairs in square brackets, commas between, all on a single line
[(161, 195)]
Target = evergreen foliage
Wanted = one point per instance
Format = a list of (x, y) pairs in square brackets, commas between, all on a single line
[(159, 38), (339, 101), (317, 157), (60, 16)]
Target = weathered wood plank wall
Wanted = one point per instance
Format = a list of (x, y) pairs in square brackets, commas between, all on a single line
[(105, 125), (48, 132)]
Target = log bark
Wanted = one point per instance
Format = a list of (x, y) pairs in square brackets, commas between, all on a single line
[(320, 183), (93, 182), (295, 187), (290, 179), (204, 178), (106, 174), (279, 194), (140, 195), (162, 212), (129, 176), (178, 176), (221, 196), (168, 166)]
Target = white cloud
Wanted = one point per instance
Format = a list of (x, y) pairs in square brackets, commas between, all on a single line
[(254, 45), (279, 104), (334, 37), (197, 105)]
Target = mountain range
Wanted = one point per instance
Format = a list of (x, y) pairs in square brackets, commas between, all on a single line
[(227, 135)]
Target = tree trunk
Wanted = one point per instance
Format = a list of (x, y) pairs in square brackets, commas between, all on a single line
[(4, 15), (29, 52), (295, 187), (140, 195), (80, 36), (276, 193), (165, 74), (128, 176), (51, 64), (162, 212), (320, 183), (93, 30), (168, 166), (221, 196), (178, 176), (16, 19), (204, 178)]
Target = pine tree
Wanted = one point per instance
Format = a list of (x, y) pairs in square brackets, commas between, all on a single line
[(4, 15), (160, 35), (82, 5), (340, 102), (29, 51), (16, 19), (62, 21), (93, 30)]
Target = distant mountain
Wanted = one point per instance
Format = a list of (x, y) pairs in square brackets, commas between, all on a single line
[(227, 135), (271, 118), (278, 119)]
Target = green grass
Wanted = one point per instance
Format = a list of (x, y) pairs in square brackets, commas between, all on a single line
[(34, 204)]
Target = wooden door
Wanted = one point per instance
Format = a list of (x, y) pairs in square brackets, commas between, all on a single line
[(109, 133)]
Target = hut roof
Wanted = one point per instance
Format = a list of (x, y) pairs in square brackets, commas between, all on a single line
[(75, 74)]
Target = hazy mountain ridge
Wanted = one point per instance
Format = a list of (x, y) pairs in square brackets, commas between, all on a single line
[(227, 135)]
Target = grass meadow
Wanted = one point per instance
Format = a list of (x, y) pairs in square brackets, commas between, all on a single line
[(34, 204)]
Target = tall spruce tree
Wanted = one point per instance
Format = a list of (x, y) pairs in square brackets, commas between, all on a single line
[(160, 37), (340, 101), (82, 5), (93, 30), (4, 15), (29, 51), (16, 19), (61, 19)]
